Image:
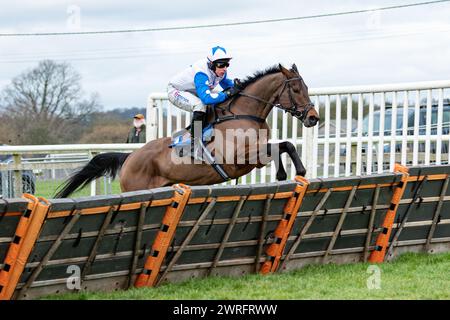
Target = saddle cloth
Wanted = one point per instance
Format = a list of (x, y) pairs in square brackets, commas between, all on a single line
[(182, 138), (181, 144)]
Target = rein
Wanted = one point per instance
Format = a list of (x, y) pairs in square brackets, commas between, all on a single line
[(292, 109)]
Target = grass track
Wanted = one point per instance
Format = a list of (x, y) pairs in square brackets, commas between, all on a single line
[(47, 189), (411, 276)]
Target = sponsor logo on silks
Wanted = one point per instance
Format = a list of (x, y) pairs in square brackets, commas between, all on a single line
[(210, 86), (178, 96)]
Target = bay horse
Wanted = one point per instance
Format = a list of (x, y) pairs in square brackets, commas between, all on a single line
[(153, 165)]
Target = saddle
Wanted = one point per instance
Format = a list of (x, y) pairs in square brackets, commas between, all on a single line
[(181, 141), (181, 144)]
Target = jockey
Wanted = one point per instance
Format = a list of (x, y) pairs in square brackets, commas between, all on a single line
[(198, 85)]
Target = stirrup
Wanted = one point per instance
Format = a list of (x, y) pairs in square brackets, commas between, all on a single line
[(197, 150)]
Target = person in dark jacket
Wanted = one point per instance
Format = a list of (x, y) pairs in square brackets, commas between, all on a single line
[(137, 132)]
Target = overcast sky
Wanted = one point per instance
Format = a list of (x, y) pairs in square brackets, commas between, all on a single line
[(401, 45)]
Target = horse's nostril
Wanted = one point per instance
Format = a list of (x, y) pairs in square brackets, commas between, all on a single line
[(313, 120)]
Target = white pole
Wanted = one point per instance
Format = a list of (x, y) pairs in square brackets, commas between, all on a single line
[(94, 182), (439, 127), (416, 129), (381, 133), (294, 138), (315, 142), (428, 129), (393, 131), (369, 151), (274, 137), (179, 116), (169, 121), (284, 138), (308, 154), (326, 146), (152, 121), (348, 145), (359, 130), (337, 145), (160, 125), (405, 128)]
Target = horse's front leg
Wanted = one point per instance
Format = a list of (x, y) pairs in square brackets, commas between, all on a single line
[(290, 149), (273, 152)]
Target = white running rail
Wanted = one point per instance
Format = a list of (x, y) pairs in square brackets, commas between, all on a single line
[(361, 131)]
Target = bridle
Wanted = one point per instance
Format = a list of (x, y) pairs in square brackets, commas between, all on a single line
[(293, 108)]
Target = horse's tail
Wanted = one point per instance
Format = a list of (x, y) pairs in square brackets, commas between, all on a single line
[(100, 165)]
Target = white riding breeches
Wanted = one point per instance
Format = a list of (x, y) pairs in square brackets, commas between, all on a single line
[(185, 100)]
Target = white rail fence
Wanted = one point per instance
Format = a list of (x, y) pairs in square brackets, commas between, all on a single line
[(41, 169), (362, 129)]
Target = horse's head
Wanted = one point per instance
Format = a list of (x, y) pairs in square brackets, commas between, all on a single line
[(293, 97)]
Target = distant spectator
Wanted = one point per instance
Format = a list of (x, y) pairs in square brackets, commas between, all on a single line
[(137, 133)]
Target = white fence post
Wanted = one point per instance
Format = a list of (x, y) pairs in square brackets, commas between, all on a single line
[(152, 121), (17, 175), (308, 145), (93, 185)]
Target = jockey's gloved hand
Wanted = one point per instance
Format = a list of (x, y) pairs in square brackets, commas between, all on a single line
[(230, 92), (237, 83)]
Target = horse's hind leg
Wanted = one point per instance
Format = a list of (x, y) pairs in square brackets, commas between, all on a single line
[(158, 181)]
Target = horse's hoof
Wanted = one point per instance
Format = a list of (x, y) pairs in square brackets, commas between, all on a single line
[(301, 173), (282, 176)]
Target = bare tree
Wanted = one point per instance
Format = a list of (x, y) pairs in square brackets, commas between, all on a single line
[(46, 104)]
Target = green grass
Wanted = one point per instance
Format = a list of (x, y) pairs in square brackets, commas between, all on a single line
[(47, 188), (411, 276)]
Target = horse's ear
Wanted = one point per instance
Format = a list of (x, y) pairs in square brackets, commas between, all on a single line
[(294, 68), (285, 71)]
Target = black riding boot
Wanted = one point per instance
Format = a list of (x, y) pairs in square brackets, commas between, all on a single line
[(198, 120)]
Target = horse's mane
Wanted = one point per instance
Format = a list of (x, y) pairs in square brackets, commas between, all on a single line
[(258, 75)]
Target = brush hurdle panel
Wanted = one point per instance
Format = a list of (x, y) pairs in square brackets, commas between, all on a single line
[(101, 243), (339, 216), (422, 223), (15, 216), (11, 210), (224, 230)]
